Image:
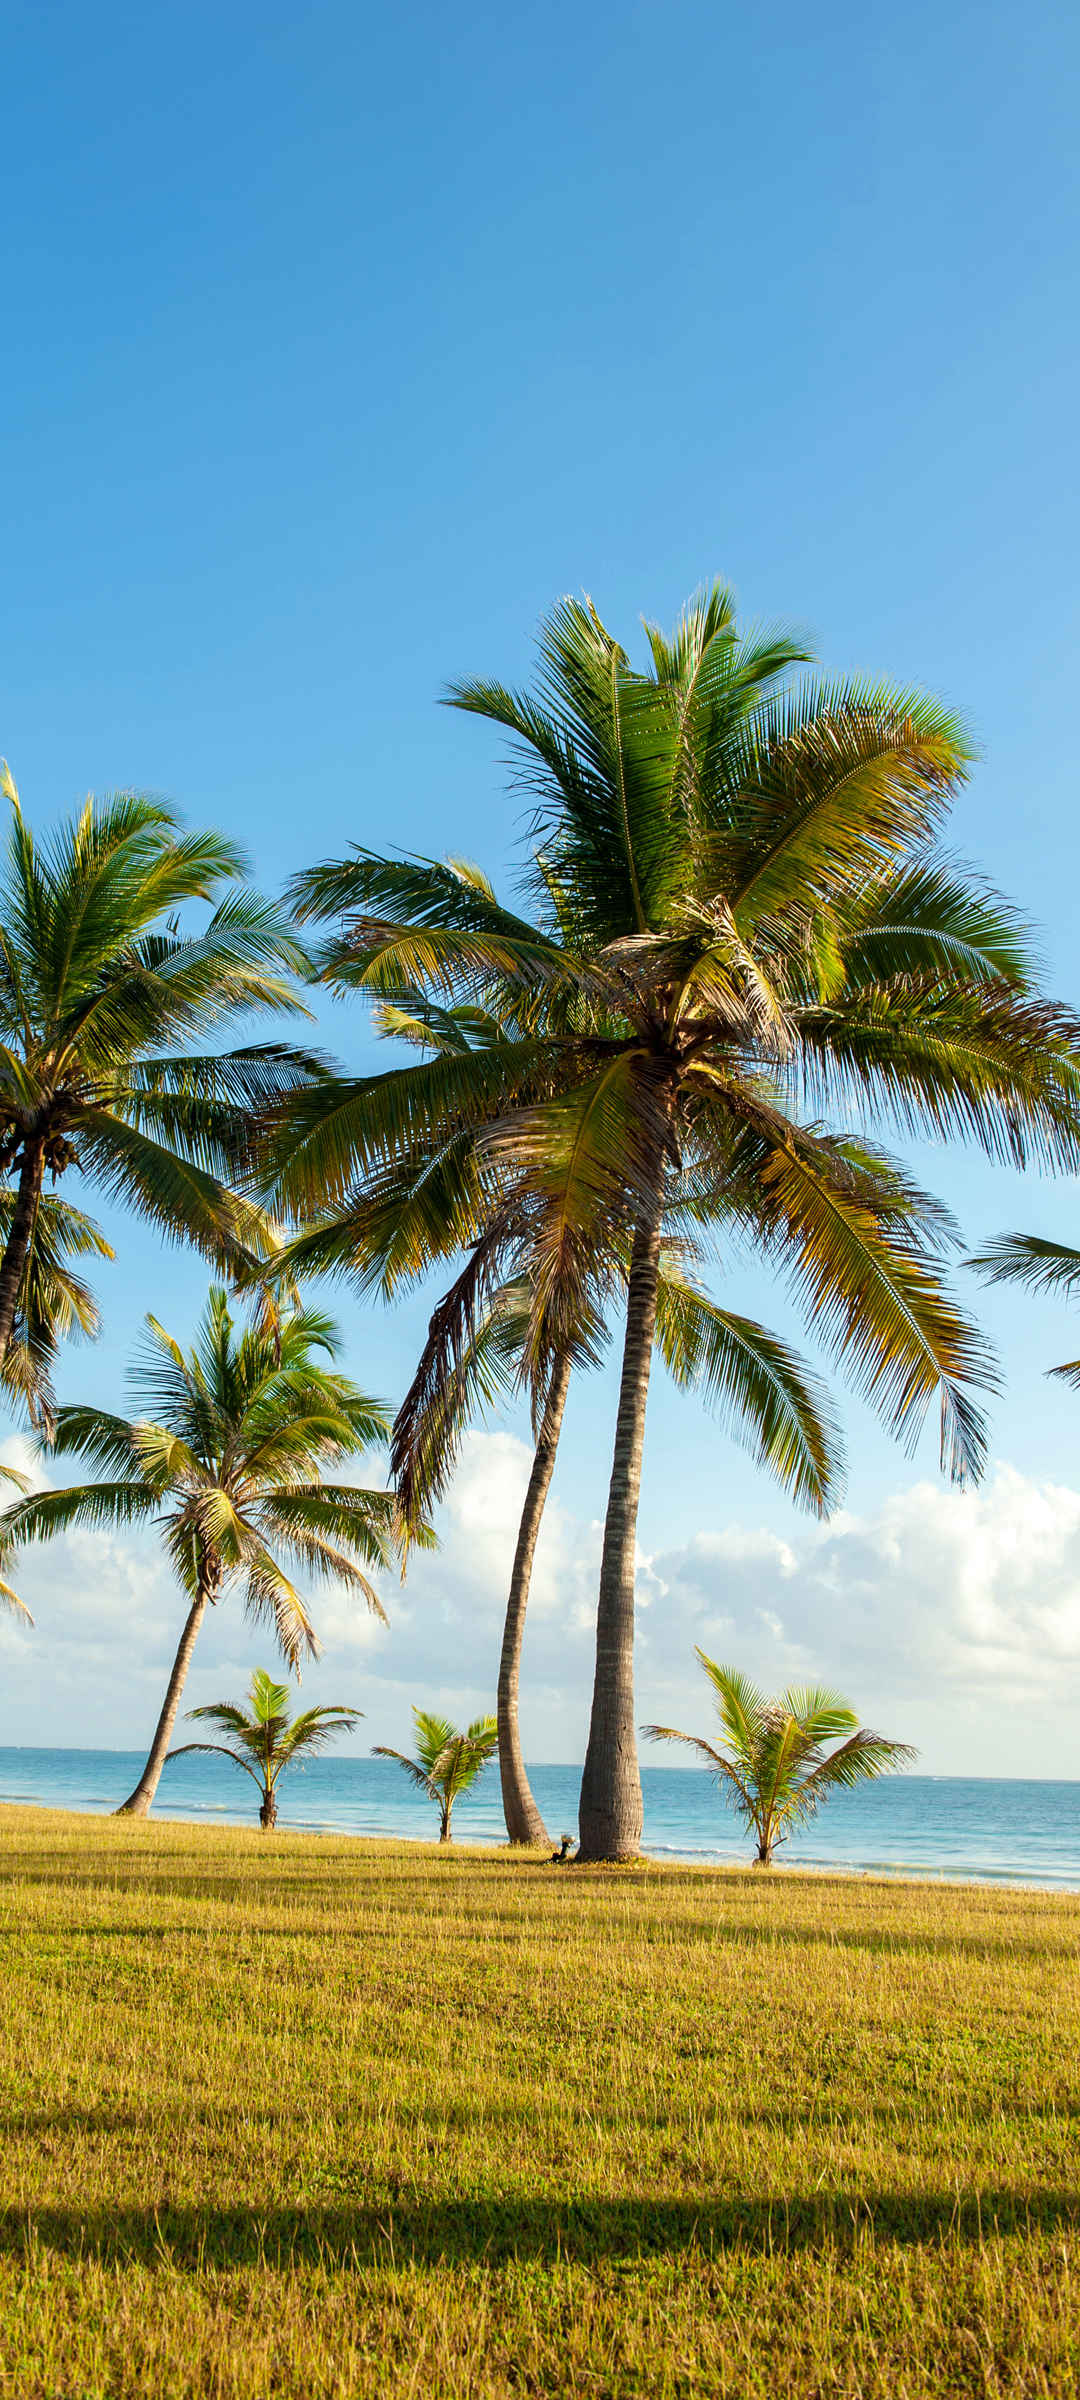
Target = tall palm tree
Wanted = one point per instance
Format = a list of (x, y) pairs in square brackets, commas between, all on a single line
[(775, 1770), (267, 1740), (477, 1353), (101, 990), (447, 1761), (233, 1460), (742, 923), (1040, 1266)]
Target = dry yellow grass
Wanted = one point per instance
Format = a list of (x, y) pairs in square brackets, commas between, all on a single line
[(315, 2117)]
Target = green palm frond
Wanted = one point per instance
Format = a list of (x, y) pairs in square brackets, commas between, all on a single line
[(861, 1759), (936, 916), (874, 1297), (96, 1505), (1041, 1266), (758, 1387), (837, 781), (980, 1064), (740, 1706), (1032, 1260)]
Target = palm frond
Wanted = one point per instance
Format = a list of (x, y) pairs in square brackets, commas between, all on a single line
[(1029, 1259), (758, 1387)]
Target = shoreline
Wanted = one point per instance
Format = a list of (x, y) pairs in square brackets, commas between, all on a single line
[(902, 1875)]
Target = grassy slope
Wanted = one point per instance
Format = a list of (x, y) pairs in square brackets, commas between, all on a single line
[(308, 2117)]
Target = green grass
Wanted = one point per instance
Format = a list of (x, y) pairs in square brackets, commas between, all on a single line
[(310, 2116)]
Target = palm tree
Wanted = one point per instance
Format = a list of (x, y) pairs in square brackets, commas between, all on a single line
[(774, 1770), (447, 1761), (742, 924), (100, 990), (268, 1741), (1041, 1266), (471, 1360), (231, 1460)]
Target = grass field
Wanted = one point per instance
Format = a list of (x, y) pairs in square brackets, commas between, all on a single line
[(307, 2116)]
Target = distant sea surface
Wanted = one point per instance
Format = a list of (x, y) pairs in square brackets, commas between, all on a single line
[(983, 1831)]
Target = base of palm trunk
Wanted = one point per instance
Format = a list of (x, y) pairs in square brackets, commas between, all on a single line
[(138, 1805), (525, 1828), (601, 1857)]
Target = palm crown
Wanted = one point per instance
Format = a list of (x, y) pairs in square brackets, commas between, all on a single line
[(101, 994), (775, 1769), (233, 1459), (267, 1740)]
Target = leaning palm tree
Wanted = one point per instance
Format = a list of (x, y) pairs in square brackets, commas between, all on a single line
[(475, 1359), (447, 1762), (775, 1771), (233, 1461), (1040, 1266), (267, 1741), (102, 990), (742, 925)]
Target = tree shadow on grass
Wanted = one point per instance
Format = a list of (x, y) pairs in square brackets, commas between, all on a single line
[(494, 2231)]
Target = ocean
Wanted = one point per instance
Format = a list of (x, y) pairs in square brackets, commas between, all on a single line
[(950, 1826)]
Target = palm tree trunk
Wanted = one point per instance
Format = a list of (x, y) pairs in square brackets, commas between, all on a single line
[(138, 1802), (610, 1813), (445, 1834), (268, 1813), (31, 1177), (524, 1822)]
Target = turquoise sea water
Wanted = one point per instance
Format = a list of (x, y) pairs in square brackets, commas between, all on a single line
[(1009, 1832)]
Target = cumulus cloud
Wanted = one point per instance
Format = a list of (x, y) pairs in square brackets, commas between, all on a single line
[(953, 1616), (952, 1620)]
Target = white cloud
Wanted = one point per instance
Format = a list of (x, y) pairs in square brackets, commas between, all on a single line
[(953, 1616), (953, 1620)]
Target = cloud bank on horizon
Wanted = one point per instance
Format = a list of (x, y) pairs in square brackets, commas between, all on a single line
[(950, 1619)]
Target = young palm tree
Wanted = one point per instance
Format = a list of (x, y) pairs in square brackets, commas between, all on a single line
[(101, 991), (1041, 1266), (234, 1461), (268, 1741), (742, 924), (775, 1770), (447, 1762)]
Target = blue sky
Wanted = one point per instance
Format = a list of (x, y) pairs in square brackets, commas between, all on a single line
[(338, 343)]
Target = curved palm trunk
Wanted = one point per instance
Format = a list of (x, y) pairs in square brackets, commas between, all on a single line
[(138, 1802), (610, 1813), (524, 1822), (31, 1177)]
